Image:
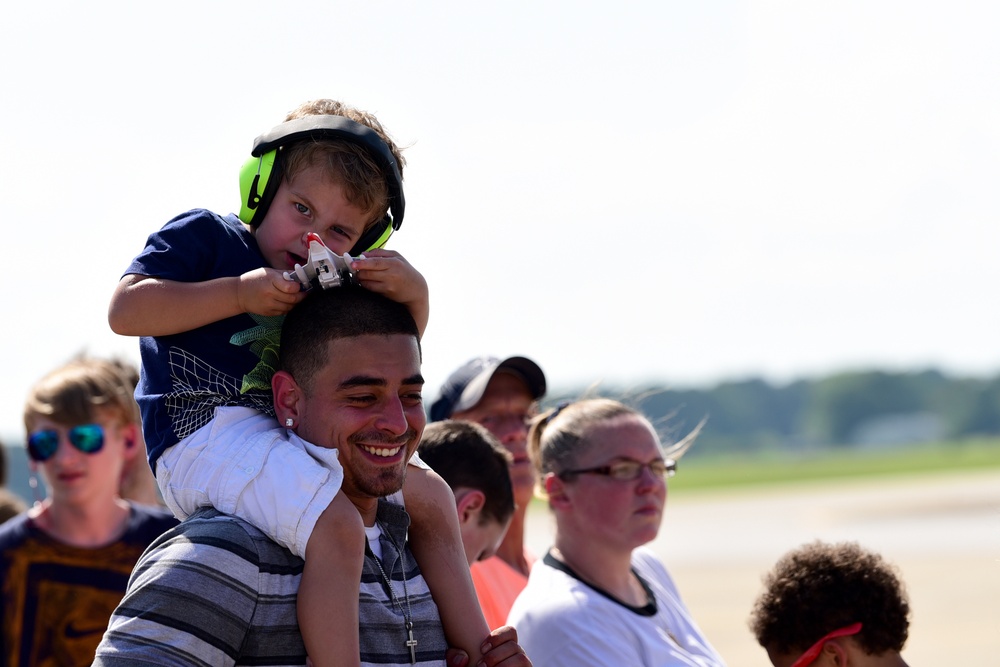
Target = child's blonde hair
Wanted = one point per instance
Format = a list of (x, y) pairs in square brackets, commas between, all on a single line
[(73, 393), (345, 162)]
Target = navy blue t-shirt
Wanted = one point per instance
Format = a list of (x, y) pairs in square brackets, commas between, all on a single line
[(185, 376)]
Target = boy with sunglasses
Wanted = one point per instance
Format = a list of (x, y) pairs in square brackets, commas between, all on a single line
[(832, 605), (65, 563)]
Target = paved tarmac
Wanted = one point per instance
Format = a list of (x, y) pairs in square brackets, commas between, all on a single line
[(941, 531)]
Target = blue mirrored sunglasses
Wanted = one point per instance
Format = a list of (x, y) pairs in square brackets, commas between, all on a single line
[(88, 438)]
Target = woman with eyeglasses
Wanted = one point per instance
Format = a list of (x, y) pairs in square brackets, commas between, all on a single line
[(65, 562), (598, 597)]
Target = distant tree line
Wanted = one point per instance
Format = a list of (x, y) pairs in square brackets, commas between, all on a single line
[(855, 408)]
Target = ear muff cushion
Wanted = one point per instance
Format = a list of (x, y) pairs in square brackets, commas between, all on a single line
[(255, 200), (255, 186), (375, 237)]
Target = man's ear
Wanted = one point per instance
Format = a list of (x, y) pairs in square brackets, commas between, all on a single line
[(555, 489), (287, 395), (469, 503)]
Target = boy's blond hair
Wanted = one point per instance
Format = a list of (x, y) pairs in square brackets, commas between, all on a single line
[(346, 163), (75, 392)]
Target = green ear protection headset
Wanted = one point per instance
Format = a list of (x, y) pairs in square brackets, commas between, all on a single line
[(262, 173)]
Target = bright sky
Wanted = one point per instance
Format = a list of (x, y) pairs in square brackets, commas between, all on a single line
[(627, 192)]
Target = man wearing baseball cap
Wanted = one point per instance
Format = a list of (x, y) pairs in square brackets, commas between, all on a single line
[(500, 394)]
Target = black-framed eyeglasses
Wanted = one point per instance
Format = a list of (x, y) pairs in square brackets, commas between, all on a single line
[(88, 438), (625, 470)]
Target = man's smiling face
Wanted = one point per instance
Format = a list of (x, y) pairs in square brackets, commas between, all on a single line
[(366, 402)]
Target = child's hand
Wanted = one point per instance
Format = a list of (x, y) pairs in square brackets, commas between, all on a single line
[(502, 650), (499, 650), (388, 273), (265, 291)]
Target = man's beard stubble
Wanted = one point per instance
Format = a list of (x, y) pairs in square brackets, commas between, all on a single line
[(386, 481)]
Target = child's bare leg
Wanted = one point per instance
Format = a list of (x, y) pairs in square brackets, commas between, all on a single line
[(327, 604), (436, 542)]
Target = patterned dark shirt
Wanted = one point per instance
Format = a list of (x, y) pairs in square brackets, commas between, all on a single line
[(57, 598)]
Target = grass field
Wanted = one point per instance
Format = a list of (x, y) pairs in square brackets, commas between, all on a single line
[(714, 472)]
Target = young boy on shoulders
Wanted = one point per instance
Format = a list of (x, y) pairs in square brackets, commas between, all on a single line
[(207, 296)]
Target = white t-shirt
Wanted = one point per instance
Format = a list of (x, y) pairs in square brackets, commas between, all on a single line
[(563, 622)]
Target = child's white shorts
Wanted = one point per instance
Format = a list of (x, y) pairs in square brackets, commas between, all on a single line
[(243, 463)]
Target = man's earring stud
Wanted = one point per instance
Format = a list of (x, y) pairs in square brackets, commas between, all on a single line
[(289, 422)]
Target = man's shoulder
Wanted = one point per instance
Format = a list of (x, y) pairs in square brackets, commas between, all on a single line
[(221, 552), (211, 586), (151, 521), (209, 521), (210, 530)]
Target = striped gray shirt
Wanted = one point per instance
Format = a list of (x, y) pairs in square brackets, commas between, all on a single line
[(216, 591)]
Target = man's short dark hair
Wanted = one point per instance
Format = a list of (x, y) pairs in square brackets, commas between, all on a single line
[(332, 314), (819, 588), (467, 455)]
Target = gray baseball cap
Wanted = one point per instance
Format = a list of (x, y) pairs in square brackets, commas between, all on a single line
[(465, 387)]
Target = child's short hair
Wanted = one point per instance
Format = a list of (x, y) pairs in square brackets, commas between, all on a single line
[(467, 455), (347, 163), (73, 393), (819, 588)]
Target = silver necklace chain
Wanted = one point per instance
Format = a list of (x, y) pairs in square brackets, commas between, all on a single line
[(411, 643)]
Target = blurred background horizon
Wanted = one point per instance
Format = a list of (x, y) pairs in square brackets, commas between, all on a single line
[(680, 195)]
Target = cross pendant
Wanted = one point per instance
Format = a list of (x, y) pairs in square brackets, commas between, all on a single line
[(411, 643)]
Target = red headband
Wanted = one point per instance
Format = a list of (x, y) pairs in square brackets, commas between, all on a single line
[(813, 651)]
